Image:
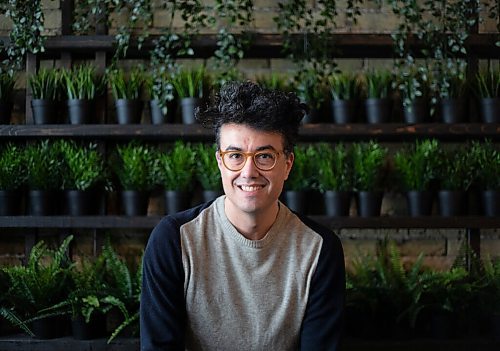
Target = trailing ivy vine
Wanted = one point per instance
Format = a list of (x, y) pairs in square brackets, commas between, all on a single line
[(88, 14), (170, 45), (231, 46), (25, 36)]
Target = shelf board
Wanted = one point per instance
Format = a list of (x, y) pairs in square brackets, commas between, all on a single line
[(346, 45), (24, 343), (148, 222), (308, 132)]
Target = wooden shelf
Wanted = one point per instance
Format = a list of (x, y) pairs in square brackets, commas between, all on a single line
[(24, 343), (148, 222), (347, 45), (308, 132)]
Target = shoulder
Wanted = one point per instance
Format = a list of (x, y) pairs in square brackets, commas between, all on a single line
[(330, 241), (167, 231)]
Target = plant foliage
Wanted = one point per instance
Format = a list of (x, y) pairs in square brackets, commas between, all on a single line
[(83, 166), (43, 165), (369, 161), (46, 84), (12, 167), (334, 166), (134, 165), (416, 165), (207, 170), (176, 167)]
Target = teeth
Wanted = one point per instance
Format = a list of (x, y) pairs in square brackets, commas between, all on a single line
[(250, 188)]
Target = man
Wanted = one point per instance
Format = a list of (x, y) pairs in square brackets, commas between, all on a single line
[(243, 272)]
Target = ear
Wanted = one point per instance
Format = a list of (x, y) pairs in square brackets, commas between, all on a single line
[(219, 160), (289, 163)]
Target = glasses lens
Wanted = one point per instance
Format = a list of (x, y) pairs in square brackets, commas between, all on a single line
[(234, 160), (265, 160)]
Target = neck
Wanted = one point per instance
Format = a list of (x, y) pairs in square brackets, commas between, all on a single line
[(253, 226)]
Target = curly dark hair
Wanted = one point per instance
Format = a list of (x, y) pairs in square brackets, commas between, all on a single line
[(256, 107)]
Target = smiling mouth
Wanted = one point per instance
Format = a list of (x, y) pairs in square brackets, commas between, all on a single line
[(250, 188)]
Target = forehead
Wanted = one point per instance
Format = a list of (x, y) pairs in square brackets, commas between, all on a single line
[(248, 138)]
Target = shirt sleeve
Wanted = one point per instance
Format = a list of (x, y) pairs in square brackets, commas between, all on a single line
[(323, 320), (162, 308)]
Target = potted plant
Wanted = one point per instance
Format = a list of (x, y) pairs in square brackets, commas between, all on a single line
[(345, 90), (335, 176), (133, 164), (274, 81), (452, 87), (207, 171), (299, 181), (82, 86), (191, 86), (487, 162), (40, 284), (7, 84), (378, 89), (127, 92), (415, 169), (43, 177), (175, 172), (162, 101), (86, 299), (45, 88), (455, 175), (12, 179), (414, 87), (489, 294), (84, 170), (488, 88), (369, 163), (312, 90), (124, 290)]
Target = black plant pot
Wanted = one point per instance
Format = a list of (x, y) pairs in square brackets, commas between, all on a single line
[(417, 112), (452, 203), (344, 111), (495, 326), (441, 325), (188, 107), (80, 111), (337, 203), (10, 202), (44, 111), (47, 328), (490, 110), (369, 203), (209, 195), (157, 115), (128, 111), (295, 200), (378, 110), (419, 203), (315, 203), (5, 112), (313, 116), (95, 328), (42, 202), (81, 203), (134, 202), (176, 201), (491, 202), (453, 111)]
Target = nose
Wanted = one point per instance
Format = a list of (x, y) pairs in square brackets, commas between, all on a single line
[(249, 170)]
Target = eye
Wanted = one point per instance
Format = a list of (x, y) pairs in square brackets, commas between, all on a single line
[(235, 155), (265, 156)]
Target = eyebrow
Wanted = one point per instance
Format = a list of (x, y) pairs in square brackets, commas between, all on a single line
[(260, 148)]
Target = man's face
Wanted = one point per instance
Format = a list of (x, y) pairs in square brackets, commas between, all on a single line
[(251, 190)]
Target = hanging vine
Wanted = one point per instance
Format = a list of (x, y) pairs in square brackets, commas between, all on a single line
[(231, 46), (25, 36), (170, 45), (88, 14)]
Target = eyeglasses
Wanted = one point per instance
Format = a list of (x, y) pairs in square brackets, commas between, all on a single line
[(236, 160)]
